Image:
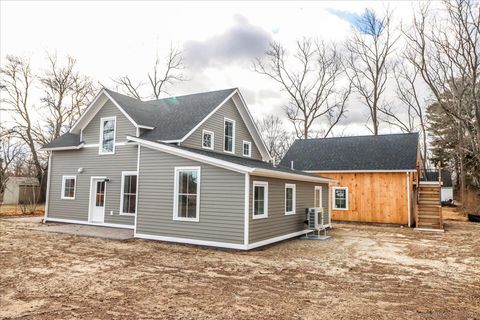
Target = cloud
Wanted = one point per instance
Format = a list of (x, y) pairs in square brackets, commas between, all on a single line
[(240, 42)]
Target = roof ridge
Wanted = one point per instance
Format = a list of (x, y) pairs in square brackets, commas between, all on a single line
[(361, 136), (189, 94)]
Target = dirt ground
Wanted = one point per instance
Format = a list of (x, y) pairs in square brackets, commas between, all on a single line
[(362, 272), (16, 210)]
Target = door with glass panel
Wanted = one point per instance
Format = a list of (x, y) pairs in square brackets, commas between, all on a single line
[(97, 200)]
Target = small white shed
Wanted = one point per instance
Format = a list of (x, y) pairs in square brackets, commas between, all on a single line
[(21, 190)]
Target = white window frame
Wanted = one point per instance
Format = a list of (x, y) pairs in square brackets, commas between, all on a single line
[(233, 135), (100, 141), (175, 194), (74, 177), (249, 149), (346, 198), (265, 200), (294, 199), (122, 192), (212, 134), (315, 195)]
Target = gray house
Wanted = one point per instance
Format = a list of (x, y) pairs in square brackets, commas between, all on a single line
[(189, 169)]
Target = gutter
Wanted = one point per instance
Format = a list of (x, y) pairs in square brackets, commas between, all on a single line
[(63, 148)]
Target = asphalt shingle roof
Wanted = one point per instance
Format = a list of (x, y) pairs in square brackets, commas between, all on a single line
[(381, 152), (65, 140), (172, 118)]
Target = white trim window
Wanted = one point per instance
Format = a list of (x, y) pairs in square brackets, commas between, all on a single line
[(260, 200), (128, 194), (229, 135), (247, 148), (290, 198), (340, 198), (318, 197), (186, 203), (69, 184), (207, 139), (107, 135)]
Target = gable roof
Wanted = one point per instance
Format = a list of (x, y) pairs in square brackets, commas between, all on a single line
[(392, 152), (231, 162), (65, 141)]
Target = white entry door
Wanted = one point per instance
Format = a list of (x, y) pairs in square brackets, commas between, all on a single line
[(97, 200)]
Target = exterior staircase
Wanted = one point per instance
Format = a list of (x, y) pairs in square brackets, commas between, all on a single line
[(428, 208)]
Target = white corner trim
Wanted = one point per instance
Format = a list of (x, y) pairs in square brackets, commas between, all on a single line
[(65, 177), (138, 193), (263, 184), (208, 116), (294, 198), (315, 196), (346, 198), (177, 170), (111, 225), (49, 178), (100, 141), (225, 119), (122, 192), (212, 140), (246, 226), (191, 155)]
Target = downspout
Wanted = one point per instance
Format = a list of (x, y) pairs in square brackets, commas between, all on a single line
[(408, 199)]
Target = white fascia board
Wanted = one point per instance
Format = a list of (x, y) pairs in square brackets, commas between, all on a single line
[(291, 176), (254, 131), (357, 171), (191, 155), (121, 110), (63, 148), (208, 116), (87, 111)]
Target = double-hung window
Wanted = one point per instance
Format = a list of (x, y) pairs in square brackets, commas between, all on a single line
[(128, 201), (68, 187), (186, 204), (260, 199), (247, 148), (207, 139), (340, 198), (229, 136), (290, 198), (107, 135)]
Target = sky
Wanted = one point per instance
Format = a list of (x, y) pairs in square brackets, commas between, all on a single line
[(219, 40)]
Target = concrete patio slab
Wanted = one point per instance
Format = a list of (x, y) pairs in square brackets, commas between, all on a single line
[(88, 231)]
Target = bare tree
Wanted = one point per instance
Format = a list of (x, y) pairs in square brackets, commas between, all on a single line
[(413, 118), (66, 93), (312, 81), (10, 151), (277, 139), (445, 50), (369, 49), (165, 72)]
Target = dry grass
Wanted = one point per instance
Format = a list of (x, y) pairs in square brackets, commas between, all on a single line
[(15, 210), (471, 203), (362, 272)]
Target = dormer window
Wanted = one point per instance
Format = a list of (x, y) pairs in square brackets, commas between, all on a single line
[(207, 139), (107, 135), (229, 136)]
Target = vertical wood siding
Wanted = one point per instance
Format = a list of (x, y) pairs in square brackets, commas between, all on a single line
[(215, 124), (91, 133), (373, 197), (221, 200), (277, 223)]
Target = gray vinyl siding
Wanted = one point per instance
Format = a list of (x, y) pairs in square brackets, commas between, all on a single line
[(91, 133), (221, 200), (216, 124), (277, 223), (111, 166)]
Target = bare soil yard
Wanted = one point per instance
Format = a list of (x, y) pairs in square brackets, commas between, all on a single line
[(362, 272)]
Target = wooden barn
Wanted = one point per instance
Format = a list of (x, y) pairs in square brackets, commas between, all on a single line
[(377, 178)]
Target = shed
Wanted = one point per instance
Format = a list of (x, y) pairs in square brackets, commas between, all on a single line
[(20, 190)]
